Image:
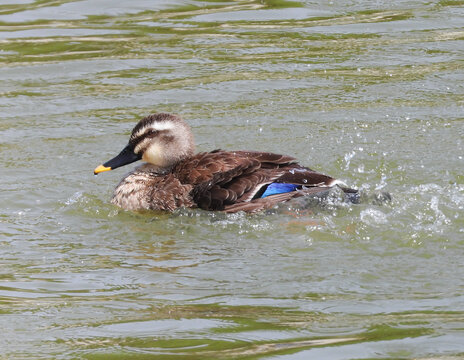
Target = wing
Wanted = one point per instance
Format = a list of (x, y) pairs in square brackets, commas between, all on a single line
[(210, 168), (232, 180), (297, 174), (239, 189), (270, 201), (267, 159), (224, 177)]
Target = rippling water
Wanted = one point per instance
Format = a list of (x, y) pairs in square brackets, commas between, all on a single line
[(367, 91)]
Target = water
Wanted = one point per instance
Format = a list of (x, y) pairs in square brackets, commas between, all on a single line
[(368, 92)]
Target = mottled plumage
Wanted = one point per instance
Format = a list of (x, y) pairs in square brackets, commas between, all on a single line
[(229, 181)]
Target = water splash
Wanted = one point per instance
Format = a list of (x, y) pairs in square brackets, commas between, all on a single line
[(77, 196)]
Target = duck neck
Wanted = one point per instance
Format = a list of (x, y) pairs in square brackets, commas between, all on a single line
[(154, 169)]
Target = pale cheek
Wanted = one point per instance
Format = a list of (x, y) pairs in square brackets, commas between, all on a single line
[(153, 155)]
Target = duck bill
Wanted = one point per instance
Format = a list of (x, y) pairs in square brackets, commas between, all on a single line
[(126, 156)]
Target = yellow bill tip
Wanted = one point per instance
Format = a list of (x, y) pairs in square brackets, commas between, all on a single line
[(100, 169)]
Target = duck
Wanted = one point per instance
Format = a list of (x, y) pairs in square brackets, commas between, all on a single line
[(173, 176)]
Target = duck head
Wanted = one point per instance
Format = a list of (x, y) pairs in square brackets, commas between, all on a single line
[(159, 139)]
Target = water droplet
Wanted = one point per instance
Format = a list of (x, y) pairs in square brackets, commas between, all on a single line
[(348, 158)]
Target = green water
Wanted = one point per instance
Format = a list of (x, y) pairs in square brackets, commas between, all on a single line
[(368, 92)]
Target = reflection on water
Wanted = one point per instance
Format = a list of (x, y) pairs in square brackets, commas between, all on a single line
[(369, 92)]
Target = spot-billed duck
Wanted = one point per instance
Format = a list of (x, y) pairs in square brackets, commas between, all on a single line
[(231, 181)]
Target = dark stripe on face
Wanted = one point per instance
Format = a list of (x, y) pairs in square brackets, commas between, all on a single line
[(154, 118), (149, 134)]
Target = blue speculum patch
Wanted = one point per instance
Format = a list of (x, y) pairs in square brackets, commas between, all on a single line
[(278, 188)]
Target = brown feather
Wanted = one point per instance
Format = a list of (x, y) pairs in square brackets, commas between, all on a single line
[(231, 181), (297, 174)]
